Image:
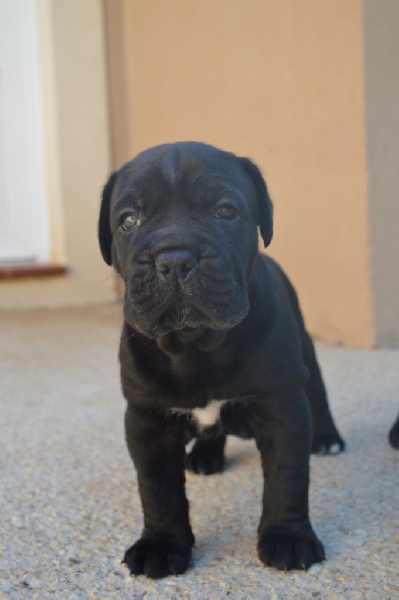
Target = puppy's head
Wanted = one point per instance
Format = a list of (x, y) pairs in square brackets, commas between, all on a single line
[(179, 224)]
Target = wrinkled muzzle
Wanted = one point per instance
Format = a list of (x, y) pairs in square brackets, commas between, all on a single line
[(183, 283)]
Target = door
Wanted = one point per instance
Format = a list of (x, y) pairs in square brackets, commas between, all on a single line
[(23, 208)]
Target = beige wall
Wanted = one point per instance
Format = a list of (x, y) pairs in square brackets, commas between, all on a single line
[(72, 59), (281, 82)]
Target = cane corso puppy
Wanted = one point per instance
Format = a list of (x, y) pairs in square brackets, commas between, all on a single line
[(213, 343)]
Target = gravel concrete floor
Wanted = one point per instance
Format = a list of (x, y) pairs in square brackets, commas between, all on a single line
[(69, 496)]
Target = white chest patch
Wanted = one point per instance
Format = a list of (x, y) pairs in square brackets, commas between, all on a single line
[(204, 417), (208, 416)]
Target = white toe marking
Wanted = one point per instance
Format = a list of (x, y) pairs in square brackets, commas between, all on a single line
[(334, 449)]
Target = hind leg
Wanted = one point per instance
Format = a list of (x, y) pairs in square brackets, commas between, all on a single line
[(207, 456), (326, 438)]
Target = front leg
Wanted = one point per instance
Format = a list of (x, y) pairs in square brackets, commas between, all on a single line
[(286, 539), (156, 446)]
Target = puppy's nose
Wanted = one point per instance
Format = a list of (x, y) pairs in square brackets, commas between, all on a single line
[(175, 262)]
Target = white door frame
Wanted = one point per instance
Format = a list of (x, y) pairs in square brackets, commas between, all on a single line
[(24, 227)]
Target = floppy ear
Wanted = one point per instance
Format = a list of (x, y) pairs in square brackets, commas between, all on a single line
[(265, 207), (104, 226)]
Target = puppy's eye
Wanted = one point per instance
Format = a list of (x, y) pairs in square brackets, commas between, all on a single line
[(226, 210), (129, 221)]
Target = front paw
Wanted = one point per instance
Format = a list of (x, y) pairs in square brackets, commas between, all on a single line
[(158, 556), (286, 549)]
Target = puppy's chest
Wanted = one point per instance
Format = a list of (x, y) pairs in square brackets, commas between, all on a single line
[(205, 417)]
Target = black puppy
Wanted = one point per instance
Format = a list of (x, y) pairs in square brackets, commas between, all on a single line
[(213, 343)]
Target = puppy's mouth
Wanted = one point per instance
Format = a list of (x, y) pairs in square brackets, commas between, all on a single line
[(180, 315), (182, 318), (201, 338), (181, 327)]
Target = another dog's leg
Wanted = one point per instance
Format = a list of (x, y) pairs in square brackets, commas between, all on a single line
[(207, 456), (286, 539), (157, 449), (326, 438), (393, 435)]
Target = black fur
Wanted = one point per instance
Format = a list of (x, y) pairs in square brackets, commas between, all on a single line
[(207, 317), (393, 435)]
